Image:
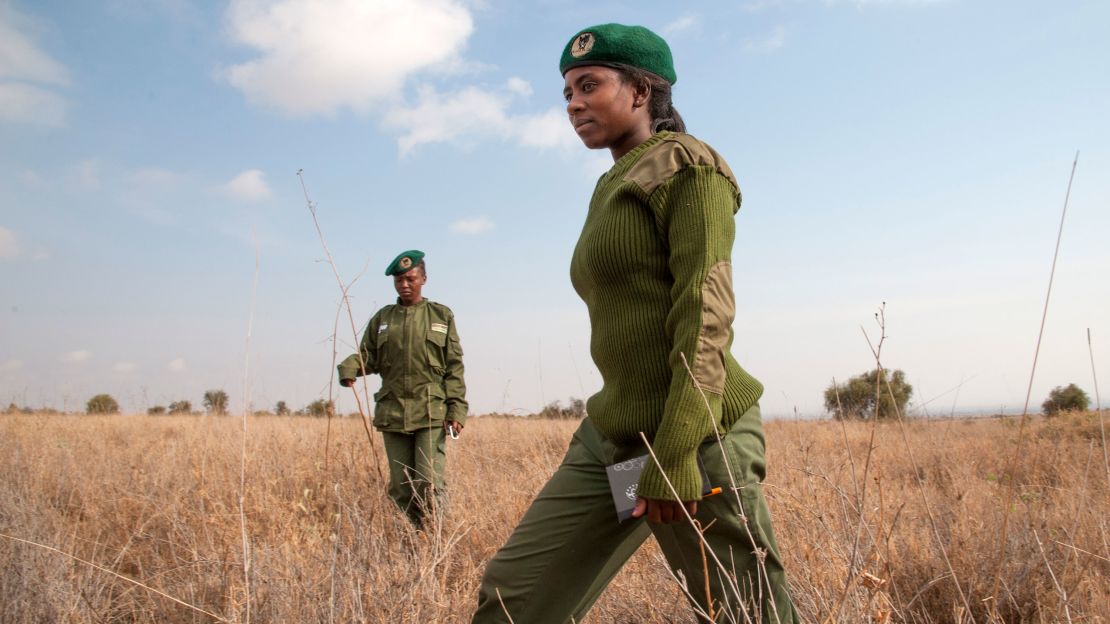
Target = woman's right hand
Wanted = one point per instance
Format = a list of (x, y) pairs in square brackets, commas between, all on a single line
[(661, 511)]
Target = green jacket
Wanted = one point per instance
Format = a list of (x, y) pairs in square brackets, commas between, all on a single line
[(416, 351)]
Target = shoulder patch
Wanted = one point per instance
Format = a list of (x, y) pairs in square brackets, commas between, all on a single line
[(671, 155)]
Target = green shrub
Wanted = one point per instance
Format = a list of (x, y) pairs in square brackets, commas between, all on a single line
[(320, 408), (1066, 399), (181, 407), (215, 401), (102, 404), (855, 398)]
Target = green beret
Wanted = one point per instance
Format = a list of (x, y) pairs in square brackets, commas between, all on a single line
[(606, 44), (404, 261)]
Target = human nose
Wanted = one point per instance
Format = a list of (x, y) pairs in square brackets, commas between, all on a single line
[(574, 104)]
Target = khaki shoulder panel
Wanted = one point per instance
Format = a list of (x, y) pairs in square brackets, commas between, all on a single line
[(718, 306), (673, 154), (440, 309)]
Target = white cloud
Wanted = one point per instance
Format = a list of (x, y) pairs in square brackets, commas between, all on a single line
[(686, 22), (9, 246), (11, 366), (476, 225), (769, 42), (249, 185), (26, 73), (317, 57), (123, 368), (471, 114), (24, 103), (20, 59), (550, 129), (176, 365), (76, 356), (519, 86)]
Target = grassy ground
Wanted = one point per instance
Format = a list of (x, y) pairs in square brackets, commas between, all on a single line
[(910, 532)]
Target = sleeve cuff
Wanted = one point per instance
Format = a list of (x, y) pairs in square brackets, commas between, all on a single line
[(687, 424), (349, 368)]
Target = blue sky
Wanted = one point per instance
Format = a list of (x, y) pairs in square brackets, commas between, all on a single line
[(912, 152)]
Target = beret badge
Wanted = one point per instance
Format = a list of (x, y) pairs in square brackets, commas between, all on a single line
[(582, 45), (405, 262)]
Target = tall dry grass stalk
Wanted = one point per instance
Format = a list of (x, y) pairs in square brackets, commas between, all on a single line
[(344, 303), (876, 351), (1098, 407), (243, 447), (1002, 551), (155, 500)]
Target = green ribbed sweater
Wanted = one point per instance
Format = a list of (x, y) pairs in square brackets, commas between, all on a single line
[(653, 265)]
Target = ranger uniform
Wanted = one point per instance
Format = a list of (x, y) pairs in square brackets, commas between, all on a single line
[(653, 266), (416, 350)]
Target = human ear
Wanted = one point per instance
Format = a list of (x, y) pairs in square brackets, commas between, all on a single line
[(641, 95)]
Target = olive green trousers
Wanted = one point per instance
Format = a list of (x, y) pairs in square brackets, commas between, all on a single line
[(417, 462), (569, 545)]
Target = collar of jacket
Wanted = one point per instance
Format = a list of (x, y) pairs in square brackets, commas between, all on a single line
[(422, 301)]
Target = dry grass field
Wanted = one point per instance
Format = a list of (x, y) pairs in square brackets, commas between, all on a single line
[(910, 532)]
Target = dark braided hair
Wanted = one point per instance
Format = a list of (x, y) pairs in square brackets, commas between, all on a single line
[(662, 110)]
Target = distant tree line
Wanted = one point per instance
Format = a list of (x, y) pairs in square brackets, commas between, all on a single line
[(885, 395), (215, 402), (872, 395), (575, 410)]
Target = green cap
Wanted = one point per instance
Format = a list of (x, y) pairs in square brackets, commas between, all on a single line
[(606, 44), (404, 261)]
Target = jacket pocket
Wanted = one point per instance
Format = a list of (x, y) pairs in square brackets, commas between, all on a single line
[(387, 410), (436, 345), (437, 403)]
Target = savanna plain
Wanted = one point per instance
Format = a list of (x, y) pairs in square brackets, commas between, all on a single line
[(285, 519)]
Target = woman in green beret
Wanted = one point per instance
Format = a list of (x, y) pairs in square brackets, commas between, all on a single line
[(414, 346), (653, 265)]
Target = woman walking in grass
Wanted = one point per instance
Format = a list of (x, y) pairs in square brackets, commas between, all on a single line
[(414, 345), (653, 265)]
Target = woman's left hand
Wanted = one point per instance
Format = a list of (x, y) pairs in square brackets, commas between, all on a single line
[(661, 511)]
